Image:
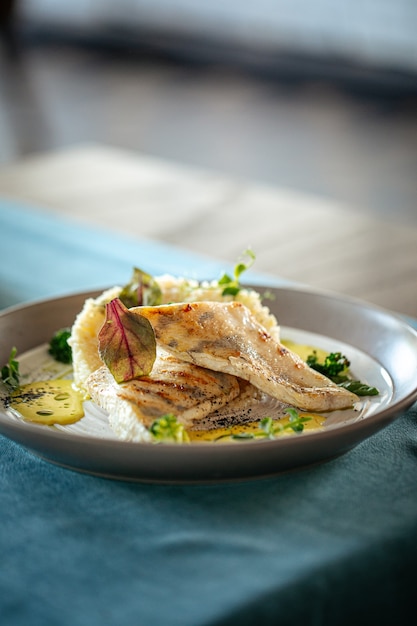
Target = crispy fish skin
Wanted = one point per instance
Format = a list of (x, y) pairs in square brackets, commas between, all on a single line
[(174, 386), (226, 337)]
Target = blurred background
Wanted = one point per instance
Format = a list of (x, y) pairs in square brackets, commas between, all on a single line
[(318, 96)]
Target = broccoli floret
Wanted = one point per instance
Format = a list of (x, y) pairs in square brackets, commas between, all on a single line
[(59, 347), (336, 367), (334, 364)]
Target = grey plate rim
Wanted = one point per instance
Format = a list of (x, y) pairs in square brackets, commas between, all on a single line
[(375, 330)]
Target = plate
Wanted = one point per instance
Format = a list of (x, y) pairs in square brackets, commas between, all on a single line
[(382, 349)]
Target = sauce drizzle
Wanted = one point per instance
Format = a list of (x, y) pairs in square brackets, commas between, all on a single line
[(48, 402)]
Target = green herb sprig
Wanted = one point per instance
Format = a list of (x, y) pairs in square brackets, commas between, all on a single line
[(10, 374), (336, 367), (359, 388), (270, 429), (334, 364), (169, 430), (59, 347), (232, 284)]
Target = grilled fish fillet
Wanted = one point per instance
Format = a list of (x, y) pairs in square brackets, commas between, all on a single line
[(225, 337), (174, 386), (241, 410), (90, 319)]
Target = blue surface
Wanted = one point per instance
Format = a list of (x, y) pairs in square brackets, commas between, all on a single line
[(331, 545), (45, 255)]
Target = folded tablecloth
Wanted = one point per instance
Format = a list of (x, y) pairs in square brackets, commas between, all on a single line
[(332, 544)]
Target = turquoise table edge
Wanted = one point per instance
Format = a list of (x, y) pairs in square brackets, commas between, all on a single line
[(66, 256)]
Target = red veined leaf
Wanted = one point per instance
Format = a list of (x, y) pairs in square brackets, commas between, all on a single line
[(126, 343)]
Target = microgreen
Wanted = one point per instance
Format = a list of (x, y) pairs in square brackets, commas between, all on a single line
[(141, 290), (270, 429), (127, 343), (10, 374), (167, 428), (231, 285)]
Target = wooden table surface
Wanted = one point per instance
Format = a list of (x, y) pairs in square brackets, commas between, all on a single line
[(294, 236)]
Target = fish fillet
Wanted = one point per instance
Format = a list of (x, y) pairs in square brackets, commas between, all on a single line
[(174, 386), (226, 337)]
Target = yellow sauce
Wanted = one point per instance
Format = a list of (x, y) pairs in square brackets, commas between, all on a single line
[(49, 402), (57, 402), (304, 351), (314, 422)]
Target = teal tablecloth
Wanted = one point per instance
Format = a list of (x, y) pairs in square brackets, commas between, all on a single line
[(331, 545)]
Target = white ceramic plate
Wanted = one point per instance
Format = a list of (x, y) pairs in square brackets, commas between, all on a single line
[(382, 349)]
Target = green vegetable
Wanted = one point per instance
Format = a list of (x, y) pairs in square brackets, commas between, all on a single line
[(126, 342), (232, 285), (10, 372), (336, 367), (59, 347), (355, 386), (142, 290), (269, 428), (334, 364), (168, 429)]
